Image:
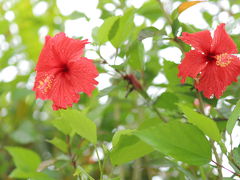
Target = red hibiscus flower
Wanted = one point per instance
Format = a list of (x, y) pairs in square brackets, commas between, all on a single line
[(62, 72), (211, 63)]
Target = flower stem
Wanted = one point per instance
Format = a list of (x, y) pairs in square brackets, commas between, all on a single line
[(73, 161), (99, 163), (71, 156)]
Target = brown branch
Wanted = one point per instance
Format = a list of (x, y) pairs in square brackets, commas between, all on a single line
[(219, 165)]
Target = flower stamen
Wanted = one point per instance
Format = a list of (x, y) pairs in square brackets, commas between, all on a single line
[(223, 60), (45, 84)]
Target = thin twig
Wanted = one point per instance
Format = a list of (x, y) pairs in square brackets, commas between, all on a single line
[(219, 165)]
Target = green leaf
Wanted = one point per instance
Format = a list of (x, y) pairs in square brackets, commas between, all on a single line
[(76, 15), (150, 10), (24, 159), (62, 124), (118, 134), (175, 27), (182, 141), (135, 55), (80, 124), (59, 143), (80, 171), (149, 32), (236, 155), (106, 91), (17, 173), (104, 30), (167, 100), (25, 133), (171, 71), (233, 118), (121, 31), (127, 147), (208, 17), (236, 16), (4, 26), (148, 123), (205, 124)]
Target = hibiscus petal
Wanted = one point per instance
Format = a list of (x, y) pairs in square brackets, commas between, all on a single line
[(191, 65), (82, 73), (201, 41), (222, 42), (67, 48), (47, 60), (58, 50), (62, 92), (214, 79)]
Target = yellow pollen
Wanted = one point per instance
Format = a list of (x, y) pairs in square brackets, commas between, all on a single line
[(223, 60), (45, 84)]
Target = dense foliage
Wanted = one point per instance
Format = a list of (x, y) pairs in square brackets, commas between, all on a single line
[(137, 127)]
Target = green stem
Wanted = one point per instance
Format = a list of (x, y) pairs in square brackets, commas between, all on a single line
[(71, 156), (203, 175), (219, 168), (73, 162), (99, 163), (165, 14), (178, 43), (137, 172)]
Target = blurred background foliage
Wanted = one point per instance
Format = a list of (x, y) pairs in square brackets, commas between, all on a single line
[(29, 123)]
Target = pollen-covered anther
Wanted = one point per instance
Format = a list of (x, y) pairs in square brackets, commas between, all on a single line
[(223, 60), (45, 84)]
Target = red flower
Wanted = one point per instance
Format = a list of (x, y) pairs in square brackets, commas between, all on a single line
[(211, 63), (62, 72)]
